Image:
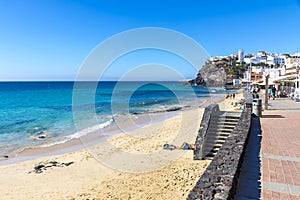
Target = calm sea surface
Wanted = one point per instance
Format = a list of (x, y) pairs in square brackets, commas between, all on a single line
[(41, 113)]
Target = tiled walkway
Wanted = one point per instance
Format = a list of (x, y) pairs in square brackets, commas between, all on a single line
[(280, 151)]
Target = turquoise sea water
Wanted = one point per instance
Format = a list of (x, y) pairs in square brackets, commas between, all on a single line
[(41, 113)]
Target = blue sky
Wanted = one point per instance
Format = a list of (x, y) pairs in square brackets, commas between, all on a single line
[(50, 39)]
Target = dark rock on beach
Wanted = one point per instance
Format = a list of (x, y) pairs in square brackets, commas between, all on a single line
[(173, 109), (38, 169), (42, 167), (67, 164), (53, 163), (41, 135)]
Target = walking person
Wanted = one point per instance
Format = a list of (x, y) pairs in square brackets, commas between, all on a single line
[(273, 92), (269, 92)]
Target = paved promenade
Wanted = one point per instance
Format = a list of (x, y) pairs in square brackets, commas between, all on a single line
[(280, 150)]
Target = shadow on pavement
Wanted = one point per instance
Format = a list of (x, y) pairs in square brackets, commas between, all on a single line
[(249, 182), (272, 116)]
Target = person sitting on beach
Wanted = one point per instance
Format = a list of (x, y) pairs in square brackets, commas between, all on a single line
[(184, 146), (187, 146)]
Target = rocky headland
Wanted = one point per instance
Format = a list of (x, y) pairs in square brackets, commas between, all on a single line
[(217, 73)]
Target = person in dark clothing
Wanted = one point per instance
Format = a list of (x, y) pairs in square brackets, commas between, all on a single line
[(273, 89)]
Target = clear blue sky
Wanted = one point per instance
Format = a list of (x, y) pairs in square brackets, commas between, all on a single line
[(49, 39)]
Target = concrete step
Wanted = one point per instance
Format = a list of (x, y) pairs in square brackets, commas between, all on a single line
[(233, 113), (215, 149), (210, 154), (220, 125), (225, 118), (229, 119), (212, 150), (223, 121), (224, 134), (219, 121), (216, 129), (222, 137), (212, 146), (226, 115), (216, 137), (218, 145), (214, 143)]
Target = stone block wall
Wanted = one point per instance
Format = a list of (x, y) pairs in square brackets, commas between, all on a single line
[(200, 140), (220, 178)]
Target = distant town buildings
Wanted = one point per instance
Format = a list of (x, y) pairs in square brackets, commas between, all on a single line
[(282, 69)]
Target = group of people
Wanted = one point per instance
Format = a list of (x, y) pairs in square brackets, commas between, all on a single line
[(255, 90), (271, 92), (230, 96)]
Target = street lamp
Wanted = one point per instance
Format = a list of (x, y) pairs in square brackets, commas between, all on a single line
[(266, 92)]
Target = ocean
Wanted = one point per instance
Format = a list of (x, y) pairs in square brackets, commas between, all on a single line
[(36, 114)]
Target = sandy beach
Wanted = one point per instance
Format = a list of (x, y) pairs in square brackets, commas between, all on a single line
[(130, 165)]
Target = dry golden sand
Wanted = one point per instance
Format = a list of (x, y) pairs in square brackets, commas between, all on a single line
[(163, 176)]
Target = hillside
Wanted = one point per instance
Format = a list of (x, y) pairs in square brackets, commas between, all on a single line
[(218, 73)]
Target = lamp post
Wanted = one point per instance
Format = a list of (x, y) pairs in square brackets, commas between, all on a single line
[(266, 92)]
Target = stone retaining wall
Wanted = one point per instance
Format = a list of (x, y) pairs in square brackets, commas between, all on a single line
[(220, 178), (201, 137)]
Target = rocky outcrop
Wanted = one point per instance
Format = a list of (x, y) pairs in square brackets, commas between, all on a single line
[(198, 80), (212, 74)]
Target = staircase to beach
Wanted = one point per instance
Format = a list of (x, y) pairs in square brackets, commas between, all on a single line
[(220, 126)]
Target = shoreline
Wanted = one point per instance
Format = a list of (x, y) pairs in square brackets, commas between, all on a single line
[(136, 168), (128, 122), (83, 174), (76, 144)]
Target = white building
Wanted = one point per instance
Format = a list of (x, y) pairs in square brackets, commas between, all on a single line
[(241, 55), (257, 60), (267, 58), (273, 72), (296, 57), (261, 53), (270, 60), (280, 59)]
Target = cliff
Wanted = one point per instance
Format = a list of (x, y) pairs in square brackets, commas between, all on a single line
[(212, 74), (219, 72)]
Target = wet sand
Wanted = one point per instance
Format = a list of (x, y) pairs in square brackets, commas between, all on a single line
[(129, 165)]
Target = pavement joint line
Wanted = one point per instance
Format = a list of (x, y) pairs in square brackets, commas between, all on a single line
[(281, 187), (287, 158)]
